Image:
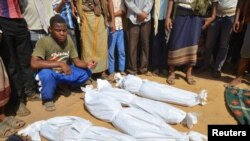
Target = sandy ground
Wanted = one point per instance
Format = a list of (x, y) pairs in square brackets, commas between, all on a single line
[(214, 112)]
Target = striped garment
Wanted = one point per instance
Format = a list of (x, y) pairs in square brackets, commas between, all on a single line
[(4, 85), (66, 13), (10, 9), (183, 42)]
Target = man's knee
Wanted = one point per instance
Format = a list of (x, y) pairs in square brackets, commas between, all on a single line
[(85, 75), (89, 72), (44, 74)]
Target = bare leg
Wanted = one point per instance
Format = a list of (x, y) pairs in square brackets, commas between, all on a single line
[(189, 70), (171, 76), (242, 66), (189, 77), (2, 115)]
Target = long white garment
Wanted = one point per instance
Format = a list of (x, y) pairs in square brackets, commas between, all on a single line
[(164, 111), (160, 92), (132, 121), (70, 128)]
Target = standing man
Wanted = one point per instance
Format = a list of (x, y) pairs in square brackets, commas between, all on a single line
[(243, 7), (95, 16), (139, 26), (185, 34), (38, 23), (219, 30), (159, 36), (16, 53), (116, 40)]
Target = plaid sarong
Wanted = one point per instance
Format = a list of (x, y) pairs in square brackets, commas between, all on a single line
[(238, 101), (4, 85)]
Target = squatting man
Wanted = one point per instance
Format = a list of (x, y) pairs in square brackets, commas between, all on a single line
[(56, 59)]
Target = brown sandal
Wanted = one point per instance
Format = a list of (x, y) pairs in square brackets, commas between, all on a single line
[(22, 110), (5, 130), (190, 80), (14, 122), (171, 80), (49, 106)]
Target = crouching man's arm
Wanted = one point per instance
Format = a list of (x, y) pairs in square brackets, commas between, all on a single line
[(82, 64), (39, 63)]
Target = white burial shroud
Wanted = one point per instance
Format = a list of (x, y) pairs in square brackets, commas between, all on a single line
[(160, 92), (132, 121), (166, 112), (70, 128)]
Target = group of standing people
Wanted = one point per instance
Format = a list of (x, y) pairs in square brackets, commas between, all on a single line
[(35, 36)]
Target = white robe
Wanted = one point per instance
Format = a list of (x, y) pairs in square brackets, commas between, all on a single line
[(70, 128), (166, 112), (161, 92), (135, 122)]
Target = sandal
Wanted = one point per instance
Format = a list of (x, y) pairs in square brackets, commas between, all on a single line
[(22, 110), (49, 106), (34, 97), (5, 130), (190, 80), (14, 122), (171, 80)]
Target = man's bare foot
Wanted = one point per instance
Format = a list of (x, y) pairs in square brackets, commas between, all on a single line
[(234, 82)]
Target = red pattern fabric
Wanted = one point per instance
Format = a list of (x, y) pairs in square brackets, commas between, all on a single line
[(10, 9), (4, 85)]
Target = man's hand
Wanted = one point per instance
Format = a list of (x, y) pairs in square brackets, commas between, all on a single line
[(92, 64), (142, 16), (237, 26), (66, 69), (74, 11), (168, 24), (208, 22), (112, 26)]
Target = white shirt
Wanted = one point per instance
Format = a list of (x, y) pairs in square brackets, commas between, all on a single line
[(134, 7), (226, 7), (37, 13), (160, 9), (186, 3), (118, 5)]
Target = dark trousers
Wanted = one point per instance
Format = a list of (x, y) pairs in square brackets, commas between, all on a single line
[(219, 30), (159, 47), (16, 53), (138, 33)]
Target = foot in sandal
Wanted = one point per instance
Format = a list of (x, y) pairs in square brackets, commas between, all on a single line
[(22, 110), (49, 106), (171, 79), (5, 130), (13, 122), (190, 80)]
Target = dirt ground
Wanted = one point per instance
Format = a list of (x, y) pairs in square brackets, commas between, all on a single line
[(215, 112)]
